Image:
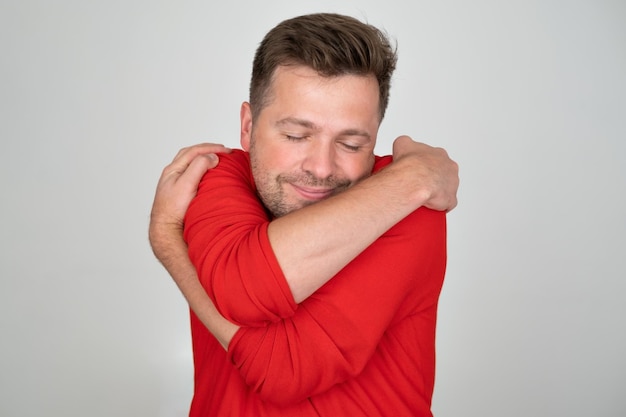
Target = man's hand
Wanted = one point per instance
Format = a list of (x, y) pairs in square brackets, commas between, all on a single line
[(438, 174), (175, 190)]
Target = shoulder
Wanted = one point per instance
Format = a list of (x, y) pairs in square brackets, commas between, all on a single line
[(380, 162), (236, 159), (228, 186), (233, 166)]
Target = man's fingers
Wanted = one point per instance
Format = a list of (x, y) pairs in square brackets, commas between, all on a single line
[(191, 177), (438, 173), (187, 154), (401, 142)]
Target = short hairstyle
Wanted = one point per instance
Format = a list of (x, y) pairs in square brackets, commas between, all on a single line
[(329, 43)]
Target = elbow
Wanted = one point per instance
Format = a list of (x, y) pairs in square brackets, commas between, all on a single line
[(282, 369), (282, 395)]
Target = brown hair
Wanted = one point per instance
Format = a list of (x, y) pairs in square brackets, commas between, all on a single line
[(331, 44)]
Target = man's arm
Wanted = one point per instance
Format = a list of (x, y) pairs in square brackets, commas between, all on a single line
[(314, 243), (308, 246), (334, 336), (175, 189), (173, 195), (254, 368)]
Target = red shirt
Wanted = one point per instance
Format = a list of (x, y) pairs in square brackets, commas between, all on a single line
[(362, 345)]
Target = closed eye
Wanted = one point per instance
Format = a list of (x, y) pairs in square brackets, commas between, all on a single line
[(351, 148), (295, 138)]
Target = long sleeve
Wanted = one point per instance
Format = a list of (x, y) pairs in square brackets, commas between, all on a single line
[(335, 332), (226, 231), (287, 352)]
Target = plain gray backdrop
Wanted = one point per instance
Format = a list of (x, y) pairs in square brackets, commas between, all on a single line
[(528, 96)]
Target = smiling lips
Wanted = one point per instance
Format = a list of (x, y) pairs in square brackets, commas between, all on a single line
[(314, 194)]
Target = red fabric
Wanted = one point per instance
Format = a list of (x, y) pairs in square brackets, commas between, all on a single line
[(362, 345)]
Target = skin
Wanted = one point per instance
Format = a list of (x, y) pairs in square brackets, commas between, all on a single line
[(313, 143), (314, 139)]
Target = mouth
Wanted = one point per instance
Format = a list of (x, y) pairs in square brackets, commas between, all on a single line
[(313, 194)]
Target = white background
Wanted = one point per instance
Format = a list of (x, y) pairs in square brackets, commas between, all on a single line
[(528, 96)]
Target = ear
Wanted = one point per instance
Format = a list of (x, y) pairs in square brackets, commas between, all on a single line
[(246, 125)]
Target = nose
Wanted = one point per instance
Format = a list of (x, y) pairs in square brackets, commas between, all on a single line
[(320, 159)]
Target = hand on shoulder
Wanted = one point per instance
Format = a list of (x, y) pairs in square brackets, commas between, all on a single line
[(436, 176)]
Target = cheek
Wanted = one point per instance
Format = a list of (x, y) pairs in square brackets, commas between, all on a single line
[(357, 167), (282, 158)]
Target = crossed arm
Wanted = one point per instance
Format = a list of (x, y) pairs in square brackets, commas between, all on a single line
[(419, 175), (330, 234), (414, 179), (332, 335)]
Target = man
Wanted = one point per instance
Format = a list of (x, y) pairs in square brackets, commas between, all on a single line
[(326, 293)]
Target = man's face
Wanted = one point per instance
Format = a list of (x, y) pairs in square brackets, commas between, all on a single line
[(314, 139)]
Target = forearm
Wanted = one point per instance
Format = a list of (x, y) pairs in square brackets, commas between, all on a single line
[(242, 257), (171, 250), (334, 333), (314, 243)]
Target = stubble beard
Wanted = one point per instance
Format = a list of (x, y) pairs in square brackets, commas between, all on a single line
[(271, 189)]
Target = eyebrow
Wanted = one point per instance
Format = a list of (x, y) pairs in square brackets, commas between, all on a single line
[(310, 125)]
